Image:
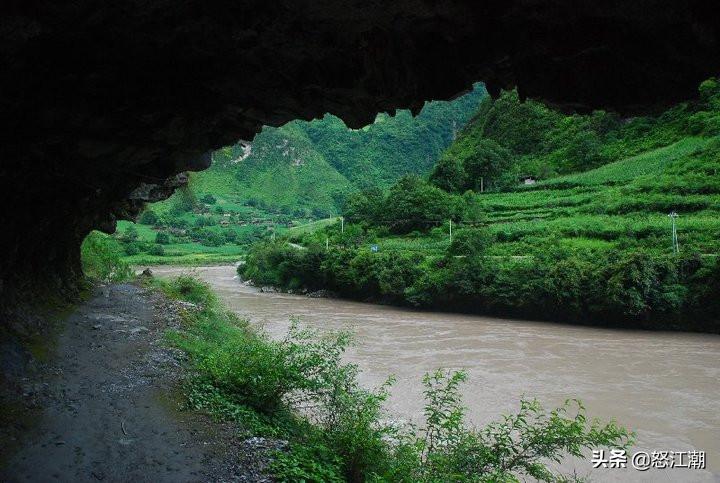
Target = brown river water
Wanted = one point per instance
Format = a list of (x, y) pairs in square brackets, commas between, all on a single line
[(663, 385)]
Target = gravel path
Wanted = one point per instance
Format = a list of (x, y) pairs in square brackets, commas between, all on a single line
[(110, 405)]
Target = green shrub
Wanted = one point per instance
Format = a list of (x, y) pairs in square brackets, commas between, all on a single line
[(101, 259), (212, 239), (162, 238), (148, 217), (157, 250), (298, 388), (470, 242), (131, 248), (314, 463), (518, 446), (208, 199), (191, 290), (130, 234)]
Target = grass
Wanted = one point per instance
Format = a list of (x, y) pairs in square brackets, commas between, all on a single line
[(189, 259), (627, 169), (312, 226)]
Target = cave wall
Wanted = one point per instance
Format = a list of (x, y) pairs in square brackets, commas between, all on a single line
[(105, 102)]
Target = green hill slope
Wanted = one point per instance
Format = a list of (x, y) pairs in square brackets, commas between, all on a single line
[(281, 170), (308, 167), (651, 162), (289, 177), (590, 241)]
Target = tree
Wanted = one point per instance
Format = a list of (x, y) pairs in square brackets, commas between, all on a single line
[(412, 204), (230, 236), (183, 200), (710, 92), (130, 234), (212, 239), (486, 162), (449, 175), (364, 206), (162, 238), (131, 249), (157, 250), (148, 217), (470, 242)]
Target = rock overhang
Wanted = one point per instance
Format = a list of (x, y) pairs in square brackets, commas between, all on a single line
[(102, 99)]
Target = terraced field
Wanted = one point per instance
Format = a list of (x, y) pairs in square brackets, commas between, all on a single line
[(621, 203)]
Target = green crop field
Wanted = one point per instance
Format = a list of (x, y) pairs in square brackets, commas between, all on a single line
[(648, 163), (312, 226)]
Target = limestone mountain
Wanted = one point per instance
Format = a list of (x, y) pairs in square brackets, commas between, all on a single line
[(311, 166)]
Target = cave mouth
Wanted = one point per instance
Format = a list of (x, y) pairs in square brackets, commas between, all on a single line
[(105, 105)]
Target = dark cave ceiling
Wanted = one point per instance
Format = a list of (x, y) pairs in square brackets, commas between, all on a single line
[(100, 98)]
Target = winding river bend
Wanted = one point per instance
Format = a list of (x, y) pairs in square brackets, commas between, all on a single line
[(663, 385)]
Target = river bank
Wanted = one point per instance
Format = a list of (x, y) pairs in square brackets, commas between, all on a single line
[(661, 384)]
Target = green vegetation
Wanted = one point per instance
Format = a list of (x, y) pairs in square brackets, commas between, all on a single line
[(292, 177), (186, 230), (300, 389), (101, 257), (589, 242), (305, 169)]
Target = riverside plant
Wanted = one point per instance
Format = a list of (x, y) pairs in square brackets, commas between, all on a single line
[(301, 390)]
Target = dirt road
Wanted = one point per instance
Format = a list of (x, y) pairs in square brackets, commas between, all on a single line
[(111, 405)]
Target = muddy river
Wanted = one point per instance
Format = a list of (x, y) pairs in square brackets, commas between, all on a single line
[(663, 385)]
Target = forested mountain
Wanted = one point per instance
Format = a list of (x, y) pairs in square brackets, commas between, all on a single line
[(306, 168), (508, 139), (589, 240)]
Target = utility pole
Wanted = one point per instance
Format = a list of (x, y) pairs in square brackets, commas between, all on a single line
[(676, 246), (482, 184), (342, 224), (327, 244), (450, 231)]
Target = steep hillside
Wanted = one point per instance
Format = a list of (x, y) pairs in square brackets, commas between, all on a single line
[(307, 168), (282, 169), (380, 153)]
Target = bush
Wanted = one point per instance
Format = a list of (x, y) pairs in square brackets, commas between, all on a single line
[(162, 238), (130, 234), (299, 388), (183, 201), (131, 248), (148, 217), (470, 242), (518, 446), (212, 239), (101, 259), (157, 250), (230, 236)]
